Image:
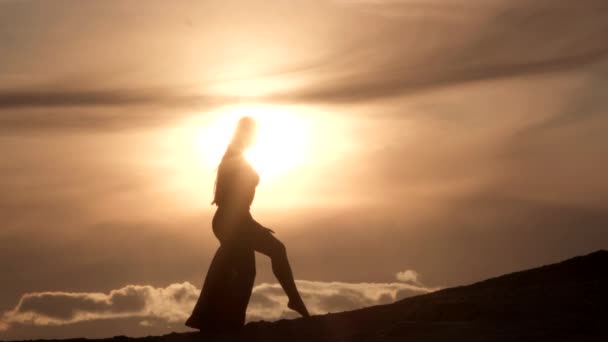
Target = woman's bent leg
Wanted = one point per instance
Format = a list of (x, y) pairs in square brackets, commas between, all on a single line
[(264, 242)]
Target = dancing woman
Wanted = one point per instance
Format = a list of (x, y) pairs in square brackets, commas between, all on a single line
[(239, 234)]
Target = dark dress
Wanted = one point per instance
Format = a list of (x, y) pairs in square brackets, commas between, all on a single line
[(229, 281)]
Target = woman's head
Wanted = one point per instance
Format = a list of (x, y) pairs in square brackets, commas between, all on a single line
[(243, 137), (245, 133)]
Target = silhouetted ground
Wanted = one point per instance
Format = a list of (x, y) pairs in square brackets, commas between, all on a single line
[(567, 301)]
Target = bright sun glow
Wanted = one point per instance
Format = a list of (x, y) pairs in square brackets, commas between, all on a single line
[(281, 143)]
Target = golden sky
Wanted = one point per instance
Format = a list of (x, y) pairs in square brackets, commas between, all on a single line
[(454, 140)]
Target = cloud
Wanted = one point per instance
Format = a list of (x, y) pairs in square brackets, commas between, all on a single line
[(174, 303), (269, 303), (67, 97), (115, 109), (59, 308), (507, 41), (402, 8), (408, 276), (441, 48)]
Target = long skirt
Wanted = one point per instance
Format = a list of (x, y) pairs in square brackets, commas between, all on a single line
[(226, 290)]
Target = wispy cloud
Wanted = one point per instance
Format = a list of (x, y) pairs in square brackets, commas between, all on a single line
[(448, 48), (45, 97), (403, 8)]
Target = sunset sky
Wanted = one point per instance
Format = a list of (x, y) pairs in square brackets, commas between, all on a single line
[(405, 146)]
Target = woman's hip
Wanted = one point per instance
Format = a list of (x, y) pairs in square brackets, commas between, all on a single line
[(229, 224)]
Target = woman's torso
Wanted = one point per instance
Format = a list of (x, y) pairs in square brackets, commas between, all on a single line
[(234, 193)]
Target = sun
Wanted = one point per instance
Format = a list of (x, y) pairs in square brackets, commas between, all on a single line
[(281, 145)]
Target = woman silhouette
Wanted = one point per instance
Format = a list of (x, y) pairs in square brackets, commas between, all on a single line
[(240, 235)]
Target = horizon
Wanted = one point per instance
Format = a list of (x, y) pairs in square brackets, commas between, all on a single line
[(404, 146)]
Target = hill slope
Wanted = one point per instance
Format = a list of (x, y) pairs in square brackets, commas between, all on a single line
[(565, 301)]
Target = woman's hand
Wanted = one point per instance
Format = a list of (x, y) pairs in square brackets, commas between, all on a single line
[(264, 228)]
